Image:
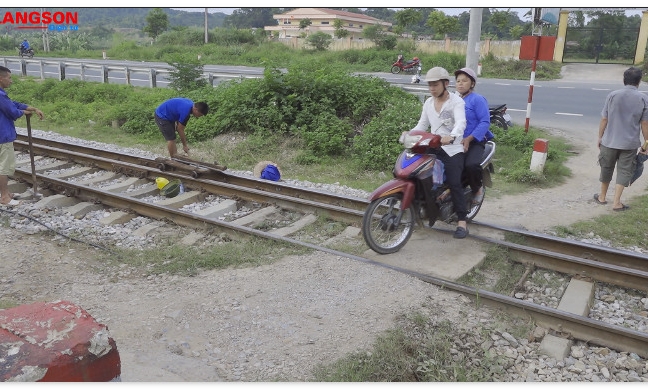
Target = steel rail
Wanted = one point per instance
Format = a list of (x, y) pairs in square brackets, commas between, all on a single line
[(567, 324), (579, 249), (85, 154)]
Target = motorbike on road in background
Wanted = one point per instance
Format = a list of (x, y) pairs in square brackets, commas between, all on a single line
[(413, 66), (29, 53), (499, 117), (416, 194)]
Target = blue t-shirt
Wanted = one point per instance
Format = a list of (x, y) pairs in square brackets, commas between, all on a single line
[(477, 118), (177, 109), (9, 112)]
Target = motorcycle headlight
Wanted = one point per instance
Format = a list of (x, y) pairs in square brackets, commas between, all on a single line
[(410, 140)]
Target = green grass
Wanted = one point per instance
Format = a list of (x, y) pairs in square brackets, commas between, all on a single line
[(624, 229), (189, 261)]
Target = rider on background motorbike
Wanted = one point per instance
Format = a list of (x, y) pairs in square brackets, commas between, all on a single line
[(444, 113), (477, 131), (24, 46)]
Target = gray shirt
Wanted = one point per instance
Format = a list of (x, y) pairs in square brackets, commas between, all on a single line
[(624, 109)]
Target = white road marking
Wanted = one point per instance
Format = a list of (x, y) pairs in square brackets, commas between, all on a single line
[(569, 114)]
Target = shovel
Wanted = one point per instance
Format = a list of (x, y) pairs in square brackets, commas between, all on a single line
[(31, 157)]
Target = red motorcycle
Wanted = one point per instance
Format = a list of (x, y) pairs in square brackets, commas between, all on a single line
[(413, 66), (416, 194)]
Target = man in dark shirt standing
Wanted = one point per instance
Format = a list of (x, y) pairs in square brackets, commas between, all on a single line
[(173, 115)]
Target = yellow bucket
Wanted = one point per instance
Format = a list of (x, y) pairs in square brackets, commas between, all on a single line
[(161, 182)]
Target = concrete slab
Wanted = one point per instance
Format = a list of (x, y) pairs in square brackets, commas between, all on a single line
[(147, 228), (555, 347), (578, 297), (53, 166), (181, 199), (81, 209), (148, 190), (75, 172), (435, 253), (296, 226), (219, 209), (257, 216), (192, 238), (106, 176), (117, 217), (122, 186), (56, 201)]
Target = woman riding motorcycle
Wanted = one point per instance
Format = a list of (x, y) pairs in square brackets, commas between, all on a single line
[(444, 113), (477, 131)]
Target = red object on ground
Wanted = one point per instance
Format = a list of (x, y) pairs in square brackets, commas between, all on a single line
[(57, 341)]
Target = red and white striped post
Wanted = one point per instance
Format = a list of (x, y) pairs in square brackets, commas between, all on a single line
[(539, 155), (532, 82)]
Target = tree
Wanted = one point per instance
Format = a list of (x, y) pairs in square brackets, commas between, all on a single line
[(187, 74), (377, 35), (253, 17), (305, 23), (407, 17), (339, 31), (156, 23), (441, 23), (319, 40)]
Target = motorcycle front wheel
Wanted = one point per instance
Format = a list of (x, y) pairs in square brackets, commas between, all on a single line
[(499, 121), (395, 69), (386, 227)]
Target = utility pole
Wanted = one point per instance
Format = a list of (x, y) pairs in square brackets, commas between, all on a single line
[(537, 33), (474, 34), (45, 35), (206, 28)]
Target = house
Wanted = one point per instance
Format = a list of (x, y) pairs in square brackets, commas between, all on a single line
[(322, 19)]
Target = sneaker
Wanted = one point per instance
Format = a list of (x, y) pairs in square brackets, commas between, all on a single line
[(460, 233)]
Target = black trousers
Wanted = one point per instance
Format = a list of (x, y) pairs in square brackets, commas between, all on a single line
[(472, 164), (454, 167)]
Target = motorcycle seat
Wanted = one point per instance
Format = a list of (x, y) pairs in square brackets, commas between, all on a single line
[(495, 107)]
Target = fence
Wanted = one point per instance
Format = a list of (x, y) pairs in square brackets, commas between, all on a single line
[(153, 76), (500, 49)]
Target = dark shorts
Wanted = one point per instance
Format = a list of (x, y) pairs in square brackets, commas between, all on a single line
[(167, 128), (625, 161)]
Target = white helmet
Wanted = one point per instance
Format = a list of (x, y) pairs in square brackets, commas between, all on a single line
[(436, 74)]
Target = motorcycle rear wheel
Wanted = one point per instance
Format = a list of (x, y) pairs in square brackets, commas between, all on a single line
[(474, 209), (499, 121), (395, 69), (379, 228)]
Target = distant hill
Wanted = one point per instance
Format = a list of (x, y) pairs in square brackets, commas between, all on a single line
[(132, 17)]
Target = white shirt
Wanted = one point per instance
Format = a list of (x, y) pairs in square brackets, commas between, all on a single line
[(451, 120)]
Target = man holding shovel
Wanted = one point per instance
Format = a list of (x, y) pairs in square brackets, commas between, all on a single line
[(10, 111)]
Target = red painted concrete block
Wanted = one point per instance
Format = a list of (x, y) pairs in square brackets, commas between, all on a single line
[(57, 341)]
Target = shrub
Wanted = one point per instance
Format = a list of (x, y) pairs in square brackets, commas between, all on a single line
[(377, 147), (319, 40)]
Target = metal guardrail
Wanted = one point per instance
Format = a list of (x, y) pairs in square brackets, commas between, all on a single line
[(126, 72), (107, 72)]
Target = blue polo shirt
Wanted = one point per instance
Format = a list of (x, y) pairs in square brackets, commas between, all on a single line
[(9, 112), (177, 109)]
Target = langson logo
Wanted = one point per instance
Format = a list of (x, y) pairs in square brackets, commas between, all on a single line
[(54, 21)]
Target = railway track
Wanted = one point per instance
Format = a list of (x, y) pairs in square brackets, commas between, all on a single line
[(224, 202)]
